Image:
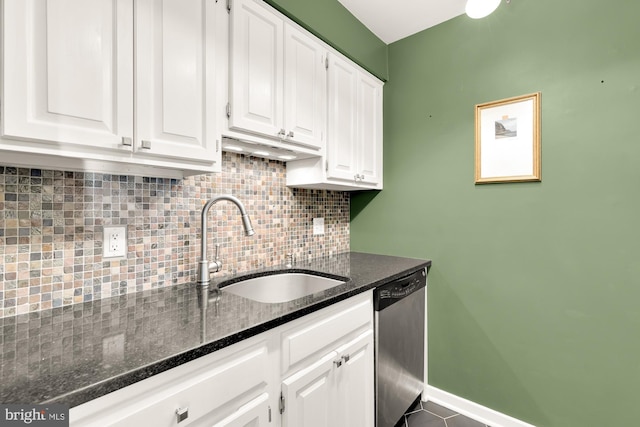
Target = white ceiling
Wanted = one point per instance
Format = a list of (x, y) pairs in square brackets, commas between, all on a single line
[(392, 20)]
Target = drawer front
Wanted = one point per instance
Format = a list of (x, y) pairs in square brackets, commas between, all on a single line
[(326, 328), (210, 387)]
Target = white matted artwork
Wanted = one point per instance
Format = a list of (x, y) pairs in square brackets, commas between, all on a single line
[(508, 140)]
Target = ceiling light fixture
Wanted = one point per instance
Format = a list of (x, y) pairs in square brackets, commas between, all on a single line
[(477, 9)]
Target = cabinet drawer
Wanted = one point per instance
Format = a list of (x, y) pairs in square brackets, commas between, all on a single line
[(326, 328), (211, 386)]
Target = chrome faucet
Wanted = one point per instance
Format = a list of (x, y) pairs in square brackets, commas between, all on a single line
[(204, 267)]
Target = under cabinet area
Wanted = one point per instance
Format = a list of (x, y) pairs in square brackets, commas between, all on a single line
[(316, 370), (74, 69)]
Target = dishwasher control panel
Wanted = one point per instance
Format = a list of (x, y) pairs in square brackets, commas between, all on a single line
[(395, 290)]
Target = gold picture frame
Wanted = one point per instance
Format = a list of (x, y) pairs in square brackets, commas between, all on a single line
[(508, 140)]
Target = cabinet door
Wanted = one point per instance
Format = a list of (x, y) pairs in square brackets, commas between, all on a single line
[(253, 414), (175, 79), (305, 79), (68, 71), (310, 395), (256, 69), (369, 129), (355, 388), (341, 145)]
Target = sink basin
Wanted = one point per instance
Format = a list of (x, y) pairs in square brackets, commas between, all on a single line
[(281, 287)]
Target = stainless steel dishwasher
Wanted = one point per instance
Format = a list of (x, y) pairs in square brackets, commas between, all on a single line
[(399, 346)]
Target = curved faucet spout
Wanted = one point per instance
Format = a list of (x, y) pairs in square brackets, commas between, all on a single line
[(204, 268)]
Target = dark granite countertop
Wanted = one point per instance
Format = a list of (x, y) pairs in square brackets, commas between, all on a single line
[(73, 354)]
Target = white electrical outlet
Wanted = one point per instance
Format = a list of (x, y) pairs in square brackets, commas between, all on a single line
[(318, 226), (115, 241)]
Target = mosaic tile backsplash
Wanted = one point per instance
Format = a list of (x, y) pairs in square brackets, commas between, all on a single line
[(51, 227)]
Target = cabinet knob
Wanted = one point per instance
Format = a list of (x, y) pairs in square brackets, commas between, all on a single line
[(345, 358), (145, 144), (338, 363), (281, 133), (182, 414), (290, 134), (126, 141)]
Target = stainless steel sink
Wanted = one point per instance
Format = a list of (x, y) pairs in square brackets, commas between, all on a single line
[(280, 287)]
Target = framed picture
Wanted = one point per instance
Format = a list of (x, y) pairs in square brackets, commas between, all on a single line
[(508, 140)]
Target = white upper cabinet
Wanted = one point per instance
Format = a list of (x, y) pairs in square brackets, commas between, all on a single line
[(353, 159), (276, 77), (68, 72), (69, 85), (342, 151), (354, 152), (256, 69), (369, 134), (305, 97), (175, 79)]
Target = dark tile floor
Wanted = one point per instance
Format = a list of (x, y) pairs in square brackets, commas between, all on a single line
[(429, 414)]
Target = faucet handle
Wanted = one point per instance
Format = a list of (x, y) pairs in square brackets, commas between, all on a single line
[(216, 265)]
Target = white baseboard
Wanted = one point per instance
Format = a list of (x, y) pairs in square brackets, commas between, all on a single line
[(470, 409)]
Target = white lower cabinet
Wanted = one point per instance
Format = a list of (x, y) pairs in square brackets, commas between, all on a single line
[(308, 396), (355, 383), (314, 371), (336, 390), (253, 414), (327, 367), (229, 387)]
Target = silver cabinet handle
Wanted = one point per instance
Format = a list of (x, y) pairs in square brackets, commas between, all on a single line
[(281, 133), (182, 414), (145, 144), (345, 358), (126, 141), (338, 363), (290, 134)]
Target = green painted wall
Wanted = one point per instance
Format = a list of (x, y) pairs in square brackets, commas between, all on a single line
[(330, 21), (534, 293)]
